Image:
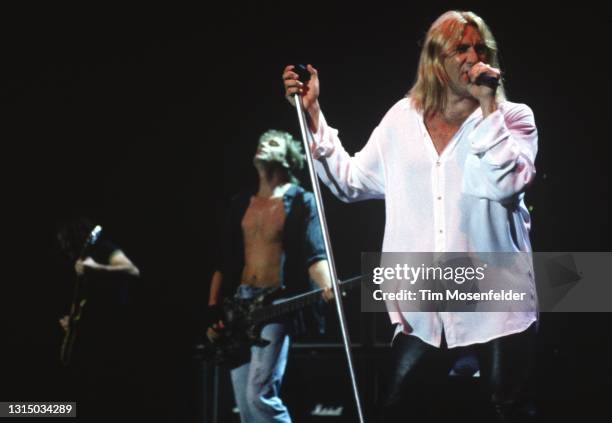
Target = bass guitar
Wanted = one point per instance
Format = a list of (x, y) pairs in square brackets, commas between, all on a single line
[(243, 320)]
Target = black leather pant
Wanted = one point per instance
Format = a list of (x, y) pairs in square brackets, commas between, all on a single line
[(505, 368)]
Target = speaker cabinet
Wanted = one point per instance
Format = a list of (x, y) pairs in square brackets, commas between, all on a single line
[(317, 386)]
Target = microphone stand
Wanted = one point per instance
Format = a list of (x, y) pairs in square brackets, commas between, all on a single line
[(316, 189)]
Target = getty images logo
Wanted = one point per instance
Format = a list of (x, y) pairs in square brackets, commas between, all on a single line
[(320, 410)]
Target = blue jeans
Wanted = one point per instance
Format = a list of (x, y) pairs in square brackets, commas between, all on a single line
[(257, 383)]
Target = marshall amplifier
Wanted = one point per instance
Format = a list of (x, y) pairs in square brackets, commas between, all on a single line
[(317, 386)]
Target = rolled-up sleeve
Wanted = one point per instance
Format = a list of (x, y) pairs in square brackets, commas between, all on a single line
[(503, 148), (314, 247)]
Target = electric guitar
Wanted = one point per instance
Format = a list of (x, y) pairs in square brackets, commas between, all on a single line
[(79, 299), (243, 320)]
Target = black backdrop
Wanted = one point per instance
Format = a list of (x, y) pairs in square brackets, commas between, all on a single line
[(147, 119)]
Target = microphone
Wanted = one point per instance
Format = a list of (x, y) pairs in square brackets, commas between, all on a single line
[(303, 74), (487, 80)]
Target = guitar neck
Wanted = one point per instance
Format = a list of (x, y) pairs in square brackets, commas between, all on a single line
[(290, 305)]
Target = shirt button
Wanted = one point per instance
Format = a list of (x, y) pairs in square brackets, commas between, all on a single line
[(438, 164), (441, 231), (439, 198)]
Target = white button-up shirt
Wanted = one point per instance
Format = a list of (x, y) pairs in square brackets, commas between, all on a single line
[(467, 199)]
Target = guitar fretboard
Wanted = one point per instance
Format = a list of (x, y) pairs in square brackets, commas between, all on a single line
[(290, 305)]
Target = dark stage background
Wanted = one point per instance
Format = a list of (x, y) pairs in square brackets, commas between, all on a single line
[(148, 121)]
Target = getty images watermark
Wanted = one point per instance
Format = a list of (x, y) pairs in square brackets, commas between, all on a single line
[(490, 282), (458, 275)]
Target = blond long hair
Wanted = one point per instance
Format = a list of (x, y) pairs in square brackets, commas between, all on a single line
[(428, 94)]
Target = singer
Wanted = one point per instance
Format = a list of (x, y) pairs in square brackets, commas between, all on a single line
[(452, 160)]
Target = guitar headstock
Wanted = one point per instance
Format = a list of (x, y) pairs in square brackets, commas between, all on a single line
[(93, 237)]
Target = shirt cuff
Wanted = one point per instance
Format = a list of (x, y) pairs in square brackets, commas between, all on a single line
[(323, 139), (315, 258)]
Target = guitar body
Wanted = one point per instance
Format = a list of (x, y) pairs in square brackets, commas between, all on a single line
[(72, 329), (244, 319), (241, 330), (79, 300)]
